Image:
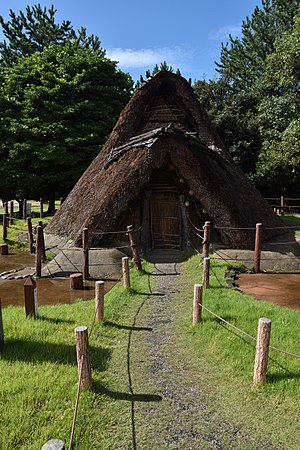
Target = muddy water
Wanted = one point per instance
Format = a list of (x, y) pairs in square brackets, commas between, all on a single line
[(50, 290), (282, 289), (16, 260)]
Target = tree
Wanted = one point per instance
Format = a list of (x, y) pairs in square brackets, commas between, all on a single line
[(279, 115), (232, 101), (36, 29), (57, 108), (234, 118), (242, 59), (157, 68)]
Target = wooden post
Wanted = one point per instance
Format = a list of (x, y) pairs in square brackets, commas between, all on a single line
[(197, 309), (6, 213), (41, 208), (257, 251), (4, 229), (134, 247), (76, 281), (30, 235), (206, 240), (30, 297), (24, 209), (11, 217), (99, 301), (126, 272), (83, 356), (85, 253), (205, 275), (1, 327), (43, 241), (282, 205), (39, 251), (262, 350), (3, 249)]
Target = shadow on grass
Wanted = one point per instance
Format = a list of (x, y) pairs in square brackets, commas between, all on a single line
[(40, 352), (55, 321), (126, 327), (98, 388), (275, 377), (211, 318)]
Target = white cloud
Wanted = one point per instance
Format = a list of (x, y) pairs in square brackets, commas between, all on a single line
[(147, 57), (222, 34)]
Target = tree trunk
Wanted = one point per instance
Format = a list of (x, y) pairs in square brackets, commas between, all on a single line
[(51, 208)]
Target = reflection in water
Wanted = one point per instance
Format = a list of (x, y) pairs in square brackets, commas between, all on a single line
[(16, 260), (50, 290)]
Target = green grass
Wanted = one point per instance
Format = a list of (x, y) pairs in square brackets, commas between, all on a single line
[(18, 228), (39, 373), (294, 217), (295, 220), (35, 206), (273, 405)]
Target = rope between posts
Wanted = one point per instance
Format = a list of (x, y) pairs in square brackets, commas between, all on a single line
[(280, 243), (198, 234), (249, 335), (283, 228), (231, 228), (194, 226), (80, 376), (228, 323), (76, 403), (107, 232)]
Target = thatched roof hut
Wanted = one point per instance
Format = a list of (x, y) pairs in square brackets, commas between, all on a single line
[(165, 170)]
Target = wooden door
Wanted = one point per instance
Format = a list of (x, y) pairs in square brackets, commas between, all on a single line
[(165, 220)]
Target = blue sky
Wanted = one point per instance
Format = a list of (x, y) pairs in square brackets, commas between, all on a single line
[(138, 34)]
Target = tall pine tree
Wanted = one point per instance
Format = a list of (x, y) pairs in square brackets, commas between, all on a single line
[(279, 116), (242, 59), (35, 29), (232, 100)]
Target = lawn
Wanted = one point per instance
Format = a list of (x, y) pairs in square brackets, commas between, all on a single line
[(273, 405), (39, 373), (293, 219), (20, 227)]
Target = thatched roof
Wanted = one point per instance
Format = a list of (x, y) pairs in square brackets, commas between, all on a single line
[(162, 120)]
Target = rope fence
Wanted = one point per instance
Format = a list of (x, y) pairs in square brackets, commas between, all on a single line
[(247, 334), (97, 317), (256, 246)]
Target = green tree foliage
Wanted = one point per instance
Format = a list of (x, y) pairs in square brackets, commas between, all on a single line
[(35, 29), (279, 115), (233, 100), (57, 108), (242, 59), (234, 118)]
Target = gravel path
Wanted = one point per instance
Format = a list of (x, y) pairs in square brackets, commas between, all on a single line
[(179, 410)]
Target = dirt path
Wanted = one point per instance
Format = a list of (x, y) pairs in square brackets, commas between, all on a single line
[(179, 411)]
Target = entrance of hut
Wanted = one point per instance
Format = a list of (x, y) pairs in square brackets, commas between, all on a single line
[(165, 214), (165, 219)]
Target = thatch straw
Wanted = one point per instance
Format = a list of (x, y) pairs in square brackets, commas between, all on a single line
[(132, 152)]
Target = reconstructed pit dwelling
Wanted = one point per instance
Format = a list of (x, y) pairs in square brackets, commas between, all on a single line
[(165, 170)]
